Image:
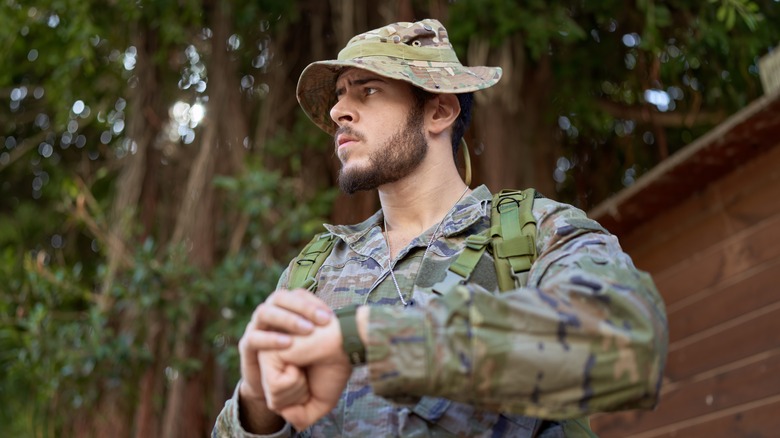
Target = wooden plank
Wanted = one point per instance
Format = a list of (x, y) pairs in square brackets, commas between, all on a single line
[(757, 199), (704, 220), (691, 227), (703, 227), (728, 342), (757, 419), (739, 200), (728, 258), (755, 422), (742, 181), (739, 295), (735, 387)]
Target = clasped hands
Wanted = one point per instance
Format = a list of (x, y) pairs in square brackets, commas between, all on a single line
[(292, 362)]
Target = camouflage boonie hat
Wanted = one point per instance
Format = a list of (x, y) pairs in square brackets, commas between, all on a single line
[(418, 53)]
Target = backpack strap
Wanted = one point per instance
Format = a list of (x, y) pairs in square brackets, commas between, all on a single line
[(513, 234), (512, 237), (460, 270), (303, 271)]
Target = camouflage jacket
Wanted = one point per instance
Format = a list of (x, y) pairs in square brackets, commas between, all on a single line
[(584, 332)]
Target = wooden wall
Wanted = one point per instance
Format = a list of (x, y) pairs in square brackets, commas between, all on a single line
[(715, 258)]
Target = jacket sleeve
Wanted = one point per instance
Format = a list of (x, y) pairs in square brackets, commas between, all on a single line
[(228, 424), (587, 334)]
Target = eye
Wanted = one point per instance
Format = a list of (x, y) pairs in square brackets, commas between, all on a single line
[(369, 91)]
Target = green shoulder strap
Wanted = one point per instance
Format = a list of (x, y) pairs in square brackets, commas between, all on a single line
[(303, 272), (512, 234), (512, 238)]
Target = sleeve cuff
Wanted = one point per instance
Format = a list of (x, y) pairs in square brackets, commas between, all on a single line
[(238, 430)]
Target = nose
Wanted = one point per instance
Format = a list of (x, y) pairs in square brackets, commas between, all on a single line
[(343, 112)]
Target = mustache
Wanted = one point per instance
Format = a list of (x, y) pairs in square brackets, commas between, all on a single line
[(348, 131)]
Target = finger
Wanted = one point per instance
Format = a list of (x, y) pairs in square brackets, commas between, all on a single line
[(248, 390), (255, 341), (270, 316), (305, 304), (297, 416), (283, 385), (297, 395), (303, 416), (249, 347), (283, 393)]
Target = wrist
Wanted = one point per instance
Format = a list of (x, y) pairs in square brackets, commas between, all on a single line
[(351, 340), (246, 393), (253, 413)]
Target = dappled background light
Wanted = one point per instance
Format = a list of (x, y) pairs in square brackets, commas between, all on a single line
[(184, 119)]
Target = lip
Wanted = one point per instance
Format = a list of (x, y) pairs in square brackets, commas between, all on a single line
[(344, 140)]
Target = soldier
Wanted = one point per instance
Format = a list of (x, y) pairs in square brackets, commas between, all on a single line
[(414, 348)]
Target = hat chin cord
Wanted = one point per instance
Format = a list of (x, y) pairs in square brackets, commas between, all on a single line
[(466, 160)]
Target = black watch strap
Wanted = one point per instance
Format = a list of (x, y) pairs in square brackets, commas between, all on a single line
[(353, 346)]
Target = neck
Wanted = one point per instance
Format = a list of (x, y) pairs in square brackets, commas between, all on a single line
[(421, 200)]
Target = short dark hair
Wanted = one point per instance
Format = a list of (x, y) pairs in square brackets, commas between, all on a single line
[(466, 101)]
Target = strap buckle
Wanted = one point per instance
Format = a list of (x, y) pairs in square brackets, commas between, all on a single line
[(477, 241)]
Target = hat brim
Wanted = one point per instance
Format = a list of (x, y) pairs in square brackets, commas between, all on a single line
[(316, 89)]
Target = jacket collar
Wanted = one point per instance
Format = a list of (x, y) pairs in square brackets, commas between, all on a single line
[(464, 214)]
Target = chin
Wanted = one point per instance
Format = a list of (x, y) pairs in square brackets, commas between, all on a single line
[(350, 165)]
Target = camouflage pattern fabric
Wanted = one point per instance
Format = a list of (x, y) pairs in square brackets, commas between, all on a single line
[(418, 53), (587, 333)]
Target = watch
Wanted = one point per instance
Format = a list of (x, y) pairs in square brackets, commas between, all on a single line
[(353, 346)]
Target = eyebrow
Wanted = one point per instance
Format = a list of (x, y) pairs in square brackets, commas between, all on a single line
[(357, 82)]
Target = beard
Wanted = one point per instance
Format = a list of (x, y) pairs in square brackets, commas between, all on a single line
[(393, 160)]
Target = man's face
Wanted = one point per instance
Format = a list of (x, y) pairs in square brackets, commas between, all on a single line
[(380, 138)]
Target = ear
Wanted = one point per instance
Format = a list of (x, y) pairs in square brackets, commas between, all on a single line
[(442, 111)]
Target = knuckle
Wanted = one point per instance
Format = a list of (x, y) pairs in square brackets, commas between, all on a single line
[(256, 314), (270, 299), (242, 343)]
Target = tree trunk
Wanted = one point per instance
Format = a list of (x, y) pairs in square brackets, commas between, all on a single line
[(221, 150), (513, 139), (114, 412)]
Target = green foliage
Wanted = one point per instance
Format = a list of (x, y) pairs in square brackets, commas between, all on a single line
[(539, 23), (57, 342), (57, 330), (698, 56), (746, 9), (237, 286), (72, 329), (279, 207), (66, 339)]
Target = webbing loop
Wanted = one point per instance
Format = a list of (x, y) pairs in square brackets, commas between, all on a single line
[(303, 272), (514, 235), (504, 200), (467, 260)]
